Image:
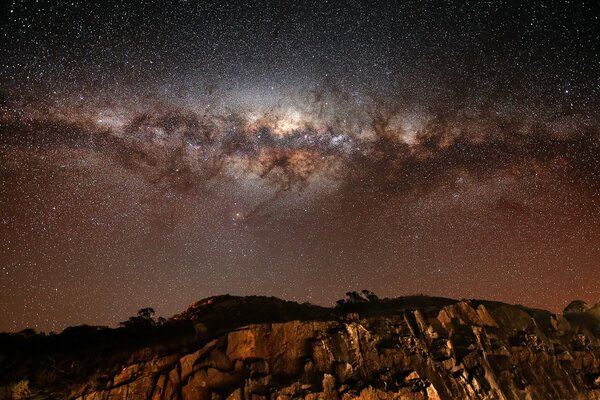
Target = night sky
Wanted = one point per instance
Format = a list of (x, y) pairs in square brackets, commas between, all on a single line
[(153, 153)]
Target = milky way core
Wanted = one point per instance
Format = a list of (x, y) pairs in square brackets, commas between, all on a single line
[(155, 153)]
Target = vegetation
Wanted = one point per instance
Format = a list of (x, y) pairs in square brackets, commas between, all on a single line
[(93, 353), (579, 315), (85, 353), (367, 303), (365, 296), (595, 310), (144, 318), (576, 306), (21, 390)]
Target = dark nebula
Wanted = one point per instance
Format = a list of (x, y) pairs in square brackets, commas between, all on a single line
[(154, 153)]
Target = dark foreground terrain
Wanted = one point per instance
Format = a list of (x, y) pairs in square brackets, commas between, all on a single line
[(256, 348)]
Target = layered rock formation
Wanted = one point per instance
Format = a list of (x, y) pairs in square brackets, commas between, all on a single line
[(464, 350)]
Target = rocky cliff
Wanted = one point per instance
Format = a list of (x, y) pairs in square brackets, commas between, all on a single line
[(458, 350)]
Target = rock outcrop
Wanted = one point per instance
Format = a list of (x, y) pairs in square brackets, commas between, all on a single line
[(466, 350), (462, 352)]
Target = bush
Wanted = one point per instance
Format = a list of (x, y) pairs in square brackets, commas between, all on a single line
[(144, 318), (21, 390), (575, 307), (595, 310), (366, 296)]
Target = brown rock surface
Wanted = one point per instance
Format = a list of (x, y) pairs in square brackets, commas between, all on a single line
[(466, 350)]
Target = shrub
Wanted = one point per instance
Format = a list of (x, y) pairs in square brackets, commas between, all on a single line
[(144, 318), (595, 310), (576, 306), (21, 390), (365, 296)]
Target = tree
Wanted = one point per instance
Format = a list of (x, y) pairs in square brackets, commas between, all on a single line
[(146, 313), (595, 310), (576, 306), (144, 318), (353, 297), (28, 332), (370, 296)]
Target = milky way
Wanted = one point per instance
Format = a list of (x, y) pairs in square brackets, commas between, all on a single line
[(154, 155)]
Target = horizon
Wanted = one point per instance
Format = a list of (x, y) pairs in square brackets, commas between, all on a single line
[(118, 324), (154, 154)]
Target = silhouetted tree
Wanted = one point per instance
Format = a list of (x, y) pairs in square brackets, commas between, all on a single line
[(353, 297), (144, 318), (29, 332), (370, 296), (576, 306), (146, 313)]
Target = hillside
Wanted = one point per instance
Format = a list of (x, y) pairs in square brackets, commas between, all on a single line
[(229, 347)]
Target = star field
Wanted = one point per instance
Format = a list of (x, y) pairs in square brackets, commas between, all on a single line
[(155, 153)]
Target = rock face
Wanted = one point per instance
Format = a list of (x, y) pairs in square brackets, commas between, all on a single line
[(466, 350)]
